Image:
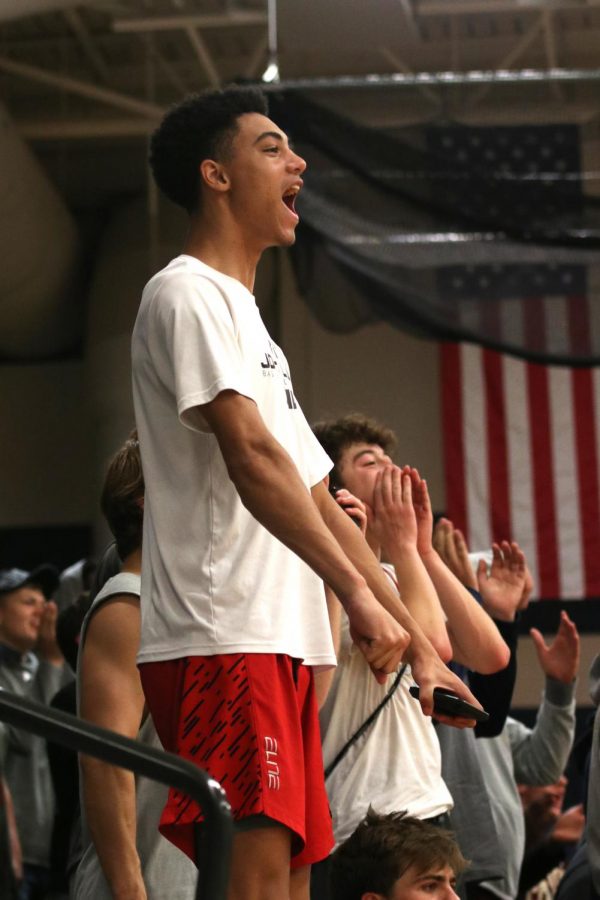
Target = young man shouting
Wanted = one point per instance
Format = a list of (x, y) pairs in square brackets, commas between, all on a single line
[(239, 528)]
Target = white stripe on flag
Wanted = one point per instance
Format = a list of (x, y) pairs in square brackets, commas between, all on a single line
[(566, 488), (520, 479), (476, 448)]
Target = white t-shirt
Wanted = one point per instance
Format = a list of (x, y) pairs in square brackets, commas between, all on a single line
[(396, 765), (214, 580)]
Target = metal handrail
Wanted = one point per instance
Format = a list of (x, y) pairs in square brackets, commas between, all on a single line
[(213, 851)]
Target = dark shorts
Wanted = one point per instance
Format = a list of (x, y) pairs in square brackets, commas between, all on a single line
[(251, 721)]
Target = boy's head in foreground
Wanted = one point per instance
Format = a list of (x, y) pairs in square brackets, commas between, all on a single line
[(396, 857)]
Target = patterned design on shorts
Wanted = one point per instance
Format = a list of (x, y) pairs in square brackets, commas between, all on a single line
[(216, 733)]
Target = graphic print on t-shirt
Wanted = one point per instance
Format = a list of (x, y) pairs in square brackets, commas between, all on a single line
[(274, 360)]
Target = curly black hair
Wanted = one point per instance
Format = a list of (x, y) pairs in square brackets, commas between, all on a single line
[(200, 127)]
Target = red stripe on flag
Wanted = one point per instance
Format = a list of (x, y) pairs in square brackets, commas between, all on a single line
[(497, 446), (543, 481), (452, 425), (587, 475)]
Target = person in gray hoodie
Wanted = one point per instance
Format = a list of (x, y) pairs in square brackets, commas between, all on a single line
[(535, 756)]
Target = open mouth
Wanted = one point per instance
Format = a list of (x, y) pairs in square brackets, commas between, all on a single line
[(289, 198)]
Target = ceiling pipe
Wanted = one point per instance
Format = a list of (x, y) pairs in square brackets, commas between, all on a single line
[(436, 79)]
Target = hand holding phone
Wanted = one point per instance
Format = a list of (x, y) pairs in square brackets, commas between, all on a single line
[(448, 704)]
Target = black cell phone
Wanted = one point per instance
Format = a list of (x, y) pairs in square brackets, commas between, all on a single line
[(333, 489), (448, 704)]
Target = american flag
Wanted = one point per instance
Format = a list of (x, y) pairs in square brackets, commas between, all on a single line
[(543, 310), (521, 176), (522, 439), (522, 445)]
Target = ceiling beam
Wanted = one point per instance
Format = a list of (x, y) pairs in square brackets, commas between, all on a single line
[(551, 54), (401, 66), (410, 17), (20, 9), (168, 70), (233, 19), (135, 127), (204, 57), (81, 88), (259, 58), (85, 41), (520, 47), (84, 129)]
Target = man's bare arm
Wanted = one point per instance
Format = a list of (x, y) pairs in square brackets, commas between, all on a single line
[(111, 696), (270, 487)]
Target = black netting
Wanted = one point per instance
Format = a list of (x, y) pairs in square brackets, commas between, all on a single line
[(482, 234)]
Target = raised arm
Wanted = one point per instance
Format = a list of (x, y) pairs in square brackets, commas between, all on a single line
[(393, 521), (476, 642), (540, 755), (111, 696)]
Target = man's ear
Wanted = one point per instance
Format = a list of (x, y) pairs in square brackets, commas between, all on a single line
[(213, 175), (370, 895)]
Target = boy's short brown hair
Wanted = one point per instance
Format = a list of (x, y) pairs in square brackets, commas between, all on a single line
[(336, 435), (122, 496), (383, 848)]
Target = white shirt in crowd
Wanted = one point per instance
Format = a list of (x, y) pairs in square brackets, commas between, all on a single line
[(397, 764)]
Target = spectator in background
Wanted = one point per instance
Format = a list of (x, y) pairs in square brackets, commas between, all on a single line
[(535, 756), (64, 766), (395, 763), (551, 835), (582, 878), (396, 857), (503, 591), (74, 581), (123, 853), (28, 622)]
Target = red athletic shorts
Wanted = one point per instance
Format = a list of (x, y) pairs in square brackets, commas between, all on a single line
[(250, 720)]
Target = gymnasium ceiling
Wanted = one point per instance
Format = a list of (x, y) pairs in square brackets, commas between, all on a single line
[(106, 68)]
